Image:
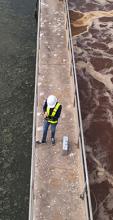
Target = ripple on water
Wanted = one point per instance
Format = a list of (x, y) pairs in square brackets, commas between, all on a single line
[(92, 25), (17, 67)]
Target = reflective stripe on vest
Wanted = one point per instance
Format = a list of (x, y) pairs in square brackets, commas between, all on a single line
[(53, 113)]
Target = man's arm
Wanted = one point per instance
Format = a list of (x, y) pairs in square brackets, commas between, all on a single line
[(45, 106), (44, 109)]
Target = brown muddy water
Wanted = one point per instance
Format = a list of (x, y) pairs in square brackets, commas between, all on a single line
[(92, 29)]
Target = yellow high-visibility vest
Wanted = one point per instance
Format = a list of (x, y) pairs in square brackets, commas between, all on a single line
[(53, 113)]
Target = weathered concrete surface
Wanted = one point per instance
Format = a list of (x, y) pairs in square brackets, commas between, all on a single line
[(58, 178)]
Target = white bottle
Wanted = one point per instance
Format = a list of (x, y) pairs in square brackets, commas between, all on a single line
[(65, 143)]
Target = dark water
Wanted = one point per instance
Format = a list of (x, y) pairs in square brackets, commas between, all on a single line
[(17, 71), (92, 28)]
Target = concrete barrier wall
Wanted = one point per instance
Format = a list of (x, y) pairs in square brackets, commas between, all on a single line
[(31, 197), (86, 190)]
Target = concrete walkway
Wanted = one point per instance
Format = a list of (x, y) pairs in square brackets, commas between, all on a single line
[(58, 178)]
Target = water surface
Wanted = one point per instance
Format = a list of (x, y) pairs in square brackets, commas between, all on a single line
[(17, 70), (92, 28)]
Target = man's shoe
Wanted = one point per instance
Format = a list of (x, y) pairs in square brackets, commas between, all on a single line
[(38, 142), (52, 141), (43, 142)]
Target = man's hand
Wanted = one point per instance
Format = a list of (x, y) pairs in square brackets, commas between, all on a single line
[(45, 115)]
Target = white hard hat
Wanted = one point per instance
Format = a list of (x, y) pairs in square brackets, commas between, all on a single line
[(51, 101)]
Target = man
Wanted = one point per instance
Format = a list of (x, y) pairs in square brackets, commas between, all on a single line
[(52, 110)]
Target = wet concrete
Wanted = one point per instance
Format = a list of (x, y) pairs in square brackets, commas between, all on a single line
[(92, 29)]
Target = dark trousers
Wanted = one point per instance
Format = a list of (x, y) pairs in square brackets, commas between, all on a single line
[(45, 129)]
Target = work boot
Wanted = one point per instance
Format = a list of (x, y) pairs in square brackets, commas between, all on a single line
[(53, 141), (43, 141), (38, 142)]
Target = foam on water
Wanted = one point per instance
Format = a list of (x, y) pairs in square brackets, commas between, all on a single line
[(92, 29)]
